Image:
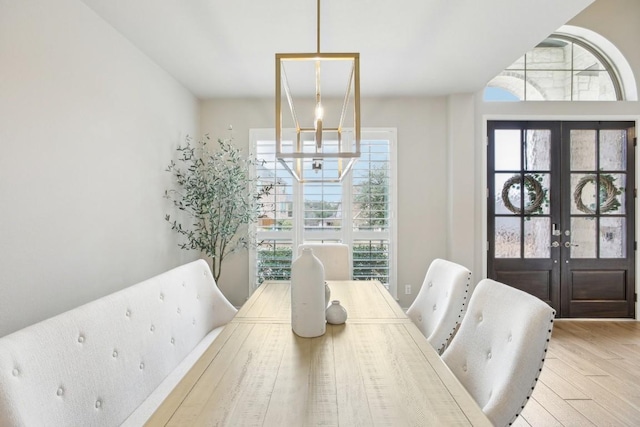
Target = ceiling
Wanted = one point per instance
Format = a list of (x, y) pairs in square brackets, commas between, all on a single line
[(226, 48)]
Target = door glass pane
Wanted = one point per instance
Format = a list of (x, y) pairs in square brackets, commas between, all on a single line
[(612, 193), (507, 149), (537, 237), (538, 150), (537, 193), (507, 188), (613, 150), (583, 237), (583, 193), (583, 150), (612, 237), (507, 239)]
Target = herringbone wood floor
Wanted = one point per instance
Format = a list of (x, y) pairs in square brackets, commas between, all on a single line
[(591, 376)]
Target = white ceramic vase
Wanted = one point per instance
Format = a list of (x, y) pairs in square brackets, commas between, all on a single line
[(308, 296), (336, 314)]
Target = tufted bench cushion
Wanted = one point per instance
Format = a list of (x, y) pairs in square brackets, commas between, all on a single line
[(114, 359)]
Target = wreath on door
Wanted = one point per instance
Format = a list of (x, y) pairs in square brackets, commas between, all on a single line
[(608, 194), (536, 193)]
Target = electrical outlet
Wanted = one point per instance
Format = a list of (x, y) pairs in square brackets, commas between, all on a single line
[(407, 289)]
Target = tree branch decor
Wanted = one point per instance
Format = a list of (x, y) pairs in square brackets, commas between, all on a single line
[(215, 189)]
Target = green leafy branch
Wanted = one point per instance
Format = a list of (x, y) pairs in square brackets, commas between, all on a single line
[(216, 191)]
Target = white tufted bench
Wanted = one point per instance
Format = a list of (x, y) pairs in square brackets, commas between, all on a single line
[(114, 360)]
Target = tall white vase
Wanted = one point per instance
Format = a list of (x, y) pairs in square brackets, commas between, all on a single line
[(308, 296)]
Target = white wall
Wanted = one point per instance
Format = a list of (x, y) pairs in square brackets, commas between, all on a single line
[(422, 176), (87, 126)]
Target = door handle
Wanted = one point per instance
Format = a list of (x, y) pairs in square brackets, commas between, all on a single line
[(569, 244), (555, 244)]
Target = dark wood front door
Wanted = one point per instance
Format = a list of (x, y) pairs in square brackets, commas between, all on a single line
[(561, 213)]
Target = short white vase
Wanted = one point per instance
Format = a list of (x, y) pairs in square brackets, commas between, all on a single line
[(336, 314)]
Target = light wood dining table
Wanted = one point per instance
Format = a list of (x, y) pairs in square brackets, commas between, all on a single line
[(377, 369)]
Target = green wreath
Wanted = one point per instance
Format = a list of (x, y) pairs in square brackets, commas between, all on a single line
[(537, 194), (608, 194)]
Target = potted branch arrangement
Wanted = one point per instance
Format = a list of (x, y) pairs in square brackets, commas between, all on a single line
[(221, 199)]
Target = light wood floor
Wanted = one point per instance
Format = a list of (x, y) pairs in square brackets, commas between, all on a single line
[(591, 376)]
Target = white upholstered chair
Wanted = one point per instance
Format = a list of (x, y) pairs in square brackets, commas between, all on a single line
[(441, 302), (499, 350), (335, 257)]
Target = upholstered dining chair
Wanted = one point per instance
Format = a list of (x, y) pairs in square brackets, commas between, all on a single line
[(336, 258), (499, 350), (441, 302)]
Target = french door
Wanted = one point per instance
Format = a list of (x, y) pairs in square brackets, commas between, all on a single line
[(561, 221)]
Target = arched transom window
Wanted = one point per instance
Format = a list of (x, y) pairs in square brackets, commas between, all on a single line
[(561, 68)]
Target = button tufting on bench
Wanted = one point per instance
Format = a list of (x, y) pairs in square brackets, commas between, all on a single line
[(34, 378)]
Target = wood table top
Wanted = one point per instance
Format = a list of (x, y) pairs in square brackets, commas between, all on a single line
[(377, 369)]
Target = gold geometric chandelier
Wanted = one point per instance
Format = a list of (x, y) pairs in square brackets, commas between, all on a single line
[(318, 140)]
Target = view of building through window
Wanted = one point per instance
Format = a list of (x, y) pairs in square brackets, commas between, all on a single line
[(558, 69), (355, 211)]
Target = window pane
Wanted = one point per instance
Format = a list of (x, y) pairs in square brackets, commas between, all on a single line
[(552, 85), (371, 260), (538, 149), (274, 260), (508, 238), (613, 150), (612, 193), (276, 210), (583, 191), (612, 238), (552, 54), (371, 179), (507, 187), (537, 237), (593, 86), (511, 81), (507, 149), (322, 206), (583, 237), (585, 60), (583, 149)]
